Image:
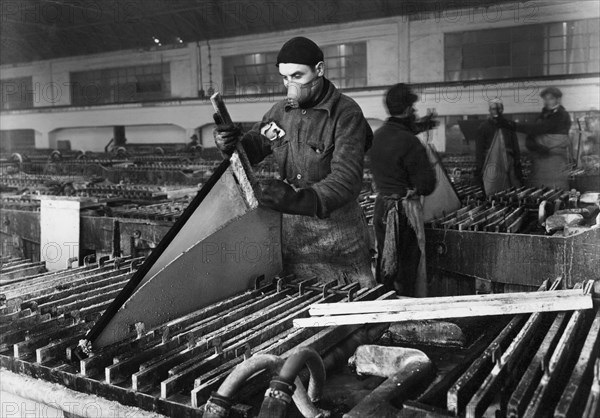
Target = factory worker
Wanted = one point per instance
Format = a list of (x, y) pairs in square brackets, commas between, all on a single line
[(402, 173), (497, 154), (548, 142), (318, 137)]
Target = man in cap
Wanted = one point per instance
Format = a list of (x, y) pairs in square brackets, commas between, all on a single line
[(501, 169), (402, 173), (318, 138), (548, 142)]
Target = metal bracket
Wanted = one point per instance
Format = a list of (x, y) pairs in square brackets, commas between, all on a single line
[(70, 262), (103, 260), (134, 265), (217, 344), (283, 281), (352, 289), (305, 285), (259, 282), (87, 258)]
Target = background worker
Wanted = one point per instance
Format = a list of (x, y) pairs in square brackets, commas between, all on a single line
[(548, 142), (402, 173), (493, 171)]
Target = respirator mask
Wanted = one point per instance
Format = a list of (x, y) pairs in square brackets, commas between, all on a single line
[(299, 94)]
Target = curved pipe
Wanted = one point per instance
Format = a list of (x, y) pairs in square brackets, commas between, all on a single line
[(220, 402), (242, 372), (296, 362), (304, 403), (414, 370)]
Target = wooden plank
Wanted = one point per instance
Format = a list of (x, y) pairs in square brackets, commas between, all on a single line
[(398, 305), (572, 399), (555, 301)]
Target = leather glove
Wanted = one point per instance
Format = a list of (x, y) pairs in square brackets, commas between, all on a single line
[(502, 122), (226, 137), (426, 123), (280, 196)]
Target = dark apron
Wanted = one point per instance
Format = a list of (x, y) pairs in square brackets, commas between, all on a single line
[(551, 168), (400, 245), (336, 248)]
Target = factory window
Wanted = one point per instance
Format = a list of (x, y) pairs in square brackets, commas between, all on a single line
[(124, 84), (345, 66), (251, 74), (523, 51), (17, 93)]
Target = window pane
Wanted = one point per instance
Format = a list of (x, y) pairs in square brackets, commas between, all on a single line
[(345, 66), (532, 50), (17, 93), (124, 84)]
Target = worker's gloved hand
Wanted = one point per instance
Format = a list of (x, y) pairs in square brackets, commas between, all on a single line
[(502, 122), (226, 137), (282, 197)]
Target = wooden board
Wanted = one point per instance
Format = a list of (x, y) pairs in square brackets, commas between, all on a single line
[(445, 307)]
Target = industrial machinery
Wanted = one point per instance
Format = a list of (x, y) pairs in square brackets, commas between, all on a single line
[(179, 309), (514, 239)]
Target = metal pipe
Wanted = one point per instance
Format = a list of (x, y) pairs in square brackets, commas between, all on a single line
[(220, 402), (309, 357), (414, 371)]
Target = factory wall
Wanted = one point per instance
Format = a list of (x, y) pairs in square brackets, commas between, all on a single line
[(398, 50)]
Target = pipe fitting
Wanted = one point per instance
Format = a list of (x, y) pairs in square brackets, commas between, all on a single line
[(217, 406), (220, 402), (305, 356)]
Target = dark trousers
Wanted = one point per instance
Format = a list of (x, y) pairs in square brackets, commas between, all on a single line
[(403, 277)]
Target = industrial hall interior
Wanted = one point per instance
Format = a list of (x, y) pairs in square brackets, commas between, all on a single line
[(300, 208)]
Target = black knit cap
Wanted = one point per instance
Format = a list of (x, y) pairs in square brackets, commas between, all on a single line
[(398, 98), (300, 50), (554, 91)]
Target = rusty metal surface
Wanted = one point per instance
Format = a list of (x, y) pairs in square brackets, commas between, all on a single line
[(513, 258)]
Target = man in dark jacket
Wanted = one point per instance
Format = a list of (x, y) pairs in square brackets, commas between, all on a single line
[(318, 137), (548, 142), (401, 172), (485, 136)]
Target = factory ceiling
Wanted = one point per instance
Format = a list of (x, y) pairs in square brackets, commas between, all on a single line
[(42, 29)]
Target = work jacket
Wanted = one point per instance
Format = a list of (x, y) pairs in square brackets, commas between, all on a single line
[(321, 147), (399, 160)]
